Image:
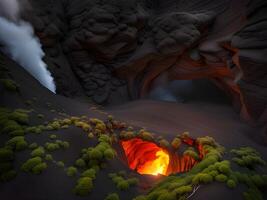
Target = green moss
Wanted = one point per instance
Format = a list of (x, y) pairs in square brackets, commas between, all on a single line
[(65, 145), (140, 197), (183, 189), (10, 125), (231, 183), (52, 136), (89, 173), (51, 146), (31, 163), (20, 116), (19, 132), (192, 153), (109, 154), (123, 185), (95, 154), (48, 157), (17, 143), (91, 135), (164, 143), (84, 186), (33, 145), (145, 135), (39, 168), (38, 152), (258, 180), (65, 126), (80, 163), (166, 195), (104, 138), (202, 178), (6, 155), (176, 143), (60, 164), (7, 176), (133, 181), (221, 178), (72, 171), (9, 84), (116, 179), (113, 196), (247, 157)]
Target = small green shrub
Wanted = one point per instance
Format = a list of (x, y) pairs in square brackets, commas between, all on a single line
[(116, 179), (51, 146), (7, 176), (53, 137), (31, 163), (18, 143), (104, 138), (33, 145), (221, 178), (80, 163), (84, 186), (38, 152), (60, 164), (65, 145), (231, 183), (133, 181), (183, 189), (6, 155), (72, 171), (9, 84), (176, 143), (95, 154), (113, 196), (48, 157), (90, 135), (109, 154), (20, 116), (202, 178), (123, 185), (89, 173), (164, 143), (141, 197), (38, 169), (10, 126)]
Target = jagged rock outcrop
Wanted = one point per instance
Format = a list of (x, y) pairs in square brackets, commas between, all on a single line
[(115, 50)]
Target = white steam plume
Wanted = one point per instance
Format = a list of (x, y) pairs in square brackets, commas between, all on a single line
[(18, 41)]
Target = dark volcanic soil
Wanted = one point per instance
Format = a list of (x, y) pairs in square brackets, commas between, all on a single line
[(165, 118)]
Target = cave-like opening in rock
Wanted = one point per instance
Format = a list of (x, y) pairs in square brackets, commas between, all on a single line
[(191, 91), (146, 157)]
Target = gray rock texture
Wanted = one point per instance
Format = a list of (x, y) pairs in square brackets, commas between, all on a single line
[(114, 50)]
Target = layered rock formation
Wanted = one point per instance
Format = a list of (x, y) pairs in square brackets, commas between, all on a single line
[(114, 50)]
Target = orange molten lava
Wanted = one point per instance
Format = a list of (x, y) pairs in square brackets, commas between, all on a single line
[(146, 157)]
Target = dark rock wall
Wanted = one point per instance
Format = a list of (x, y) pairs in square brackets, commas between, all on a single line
[(114, 50)]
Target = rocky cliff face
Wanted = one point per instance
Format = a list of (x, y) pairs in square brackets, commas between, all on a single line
[(114, 50)]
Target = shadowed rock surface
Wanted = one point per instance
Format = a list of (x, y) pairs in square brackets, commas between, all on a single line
[(112, 51)]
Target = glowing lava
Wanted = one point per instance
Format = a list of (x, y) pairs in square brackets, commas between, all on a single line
[(146, 157), (157, 166)]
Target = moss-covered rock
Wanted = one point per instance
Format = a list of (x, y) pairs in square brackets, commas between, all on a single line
[(84, 186)]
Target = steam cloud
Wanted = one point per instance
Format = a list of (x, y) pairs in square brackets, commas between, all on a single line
[(18, 41)]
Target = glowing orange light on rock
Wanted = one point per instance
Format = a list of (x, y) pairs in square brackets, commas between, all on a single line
[(157, 166), (146, 157)]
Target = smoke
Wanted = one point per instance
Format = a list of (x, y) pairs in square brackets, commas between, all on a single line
[(9, 9), (18, 41), (174, 91)]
